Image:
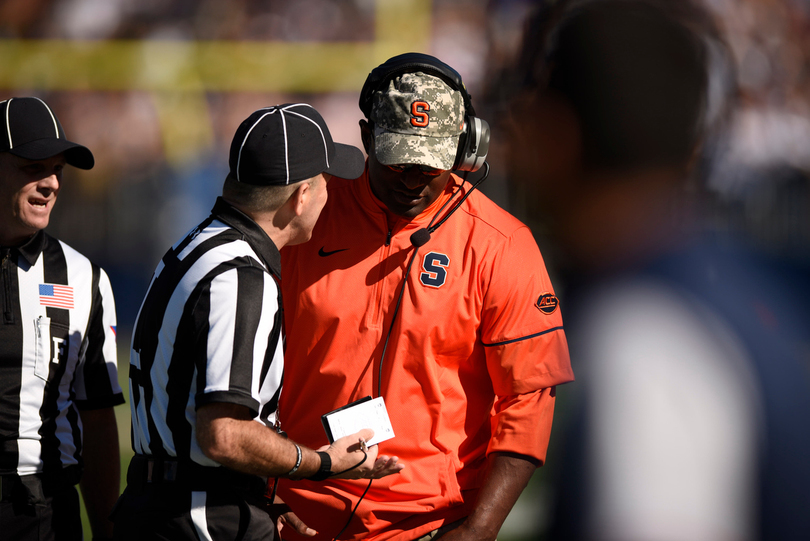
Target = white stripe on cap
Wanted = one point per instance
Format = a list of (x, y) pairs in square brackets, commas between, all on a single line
[(8, 127), (323, 138), (239, 159), (53, 117), (286, 147), (281, 111)]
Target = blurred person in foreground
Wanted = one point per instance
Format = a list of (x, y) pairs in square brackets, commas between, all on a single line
[(453, 323), (58, 367), (207, 358), (690, 414)]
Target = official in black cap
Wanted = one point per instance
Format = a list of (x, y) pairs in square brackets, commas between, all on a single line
[(58, 372), (207, 352)]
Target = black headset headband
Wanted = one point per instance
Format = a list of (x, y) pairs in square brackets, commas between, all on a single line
[(380, 76)]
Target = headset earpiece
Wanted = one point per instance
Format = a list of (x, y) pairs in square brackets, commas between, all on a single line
[(473, 143)]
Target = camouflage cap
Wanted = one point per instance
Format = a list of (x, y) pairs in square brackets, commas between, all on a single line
[(418, 119)]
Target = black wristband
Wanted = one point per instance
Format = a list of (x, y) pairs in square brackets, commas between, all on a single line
[(326, 467)]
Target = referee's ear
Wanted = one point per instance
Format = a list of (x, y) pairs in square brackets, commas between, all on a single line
[(298, 199)]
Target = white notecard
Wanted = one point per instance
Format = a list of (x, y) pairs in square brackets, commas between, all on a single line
[(357, 416)]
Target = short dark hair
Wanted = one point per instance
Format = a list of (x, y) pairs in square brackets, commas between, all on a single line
[(255, 198), (634, 72)]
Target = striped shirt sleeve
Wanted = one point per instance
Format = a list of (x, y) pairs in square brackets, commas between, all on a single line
[(97, 377), (240, 306)]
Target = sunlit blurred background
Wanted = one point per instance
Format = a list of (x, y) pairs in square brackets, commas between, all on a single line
[(156, 88)]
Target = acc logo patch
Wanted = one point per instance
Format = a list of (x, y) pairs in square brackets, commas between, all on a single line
[(547, 303)]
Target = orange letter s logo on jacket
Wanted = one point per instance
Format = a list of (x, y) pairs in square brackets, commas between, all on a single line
[(434, 272)]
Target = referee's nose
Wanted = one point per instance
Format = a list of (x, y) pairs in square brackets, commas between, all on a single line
[(52, 175), (48, 187), (50, 183)]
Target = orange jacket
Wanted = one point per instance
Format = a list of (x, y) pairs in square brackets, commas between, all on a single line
[(474, 352)]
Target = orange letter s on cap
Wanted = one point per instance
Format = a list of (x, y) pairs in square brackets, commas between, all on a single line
[(419, 114)]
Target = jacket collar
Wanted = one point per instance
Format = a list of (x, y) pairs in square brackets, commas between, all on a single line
[(32, 248), (250, 230)]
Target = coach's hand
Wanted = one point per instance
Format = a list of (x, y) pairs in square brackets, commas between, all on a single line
[(352, 459), (283, 516)]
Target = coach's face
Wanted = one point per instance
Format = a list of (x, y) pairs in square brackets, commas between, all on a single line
[(406, 192), (28, 191)]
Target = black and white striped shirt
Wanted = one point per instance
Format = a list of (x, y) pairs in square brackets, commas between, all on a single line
[(209, 330), (57, 353)]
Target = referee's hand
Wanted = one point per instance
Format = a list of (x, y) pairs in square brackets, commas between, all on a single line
[(353, 459)]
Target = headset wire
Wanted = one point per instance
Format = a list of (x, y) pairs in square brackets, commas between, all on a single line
[(431, 228)]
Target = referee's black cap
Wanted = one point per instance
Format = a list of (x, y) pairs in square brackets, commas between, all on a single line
[(289, 143), (29, 129)]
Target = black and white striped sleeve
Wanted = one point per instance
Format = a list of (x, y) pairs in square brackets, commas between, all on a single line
[(96, 384), (239, 307)]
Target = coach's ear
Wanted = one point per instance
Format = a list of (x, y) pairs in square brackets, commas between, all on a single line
[(366, 135)]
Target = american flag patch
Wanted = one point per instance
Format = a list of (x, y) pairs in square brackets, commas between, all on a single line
[(56, 295)]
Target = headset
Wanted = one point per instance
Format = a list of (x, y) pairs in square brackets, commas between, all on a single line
[(473, 144), (471, 154)]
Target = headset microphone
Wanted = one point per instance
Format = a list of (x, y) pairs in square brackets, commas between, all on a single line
[(420, 237)]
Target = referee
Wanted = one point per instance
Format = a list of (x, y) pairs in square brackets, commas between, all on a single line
[(58, 373), (207, 352)]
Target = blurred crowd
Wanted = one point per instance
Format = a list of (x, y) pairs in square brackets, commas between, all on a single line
[(308, 20), (144, 190), (762, 173)]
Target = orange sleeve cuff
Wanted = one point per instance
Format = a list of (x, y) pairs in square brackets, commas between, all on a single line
[(522, 424)]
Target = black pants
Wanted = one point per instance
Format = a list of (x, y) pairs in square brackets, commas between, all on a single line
[(171, 500), (27, 516), (173, 513)]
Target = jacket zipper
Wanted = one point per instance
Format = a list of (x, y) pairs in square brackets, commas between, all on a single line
[(379, 289)]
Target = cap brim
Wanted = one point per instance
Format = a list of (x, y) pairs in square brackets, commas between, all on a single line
[(396, 148), (348, 162), (42, 149)]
